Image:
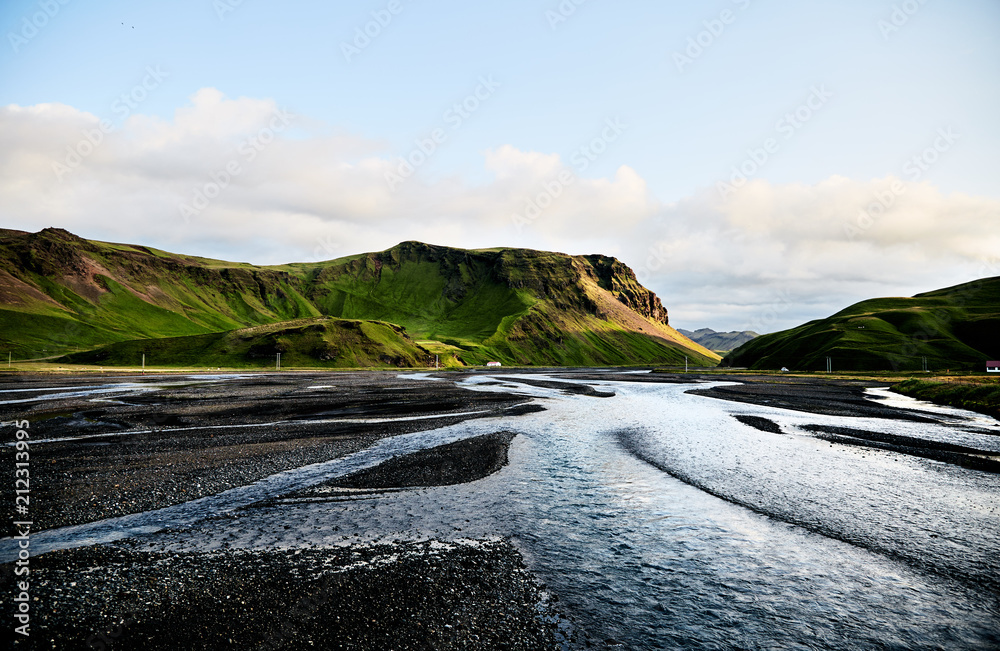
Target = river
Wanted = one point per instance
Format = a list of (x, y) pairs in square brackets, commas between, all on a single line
[(663, 522)]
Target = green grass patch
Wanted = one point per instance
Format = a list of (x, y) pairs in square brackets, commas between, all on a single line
[(951, 329), (982, 396), (315, 343), (30, 336)]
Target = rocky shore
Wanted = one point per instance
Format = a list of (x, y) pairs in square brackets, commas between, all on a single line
[(428, 595)]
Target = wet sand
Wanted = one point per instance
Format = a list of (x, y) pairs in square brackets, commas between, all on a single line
[(140, 451), (817, 395), (814, 395), (149, 450)]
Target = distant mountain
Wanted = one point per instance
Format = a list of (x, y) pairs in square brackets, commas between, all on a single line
[(719, 341), (61, 294), (953, 328)]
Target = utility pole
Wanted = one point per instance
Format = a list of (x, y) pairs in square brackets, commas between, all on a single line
[(144, 363), (277, 364), (925, 363), (829, 365), (685, 363)]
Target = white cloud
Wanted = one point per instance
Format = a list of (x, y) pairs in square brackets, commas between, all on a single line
[(776, 255), (770, 256)]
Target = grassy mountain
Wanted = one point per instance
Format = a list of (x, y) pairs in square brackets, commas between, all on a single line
[(62, 294), (720, 342), (953, 328)]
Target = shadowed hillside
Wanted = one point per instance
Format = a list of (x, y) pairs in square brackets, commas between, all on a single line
[(953, 328)]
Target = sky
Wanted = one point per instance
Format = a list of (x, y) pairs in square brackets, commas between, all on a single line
[(758, 164)]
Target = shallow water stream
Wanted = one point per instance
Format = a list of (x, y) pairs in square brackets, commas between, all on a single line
[(661, 521)]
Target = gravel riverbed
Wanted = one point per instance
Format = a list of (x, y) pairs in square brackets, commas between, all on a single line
[(110, 446)]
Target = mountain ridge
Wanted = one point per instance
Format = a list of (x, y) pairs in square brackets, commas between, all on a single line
[(719, 341), (60, 293)]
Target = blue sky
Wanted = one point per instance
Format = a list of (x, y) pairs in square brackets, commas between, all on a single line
[(891, 77)]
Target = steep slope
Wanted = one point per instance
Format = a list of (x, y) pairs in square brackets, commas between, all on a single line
[(719, 341), (512, 305), (60, 293), (953, 328)]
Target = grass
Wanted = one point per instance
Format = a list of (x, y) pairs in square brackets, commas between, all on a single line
[(316, 343), (514, 306), (953, 328), (982, 394), (456, 301), (27, 336)]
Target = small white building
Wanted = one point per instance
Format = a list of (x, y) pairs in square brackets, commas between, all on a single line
[(494, 364), (993, 367)]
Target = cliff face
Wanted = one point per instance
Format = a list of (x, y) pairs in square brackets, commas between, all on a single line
[(551, 302), (546, 276), (620, 280)]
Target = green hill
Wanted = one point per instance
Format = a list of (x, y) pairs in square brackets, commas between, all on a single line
[(953, 328), (318, 342), (61, 294)]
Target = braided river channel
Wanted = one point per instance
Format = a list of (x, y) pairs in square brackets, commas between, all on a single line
[(660, 520)]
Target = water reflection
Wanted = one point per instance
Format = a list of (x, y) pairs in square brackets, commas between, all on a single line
[(663, 522)]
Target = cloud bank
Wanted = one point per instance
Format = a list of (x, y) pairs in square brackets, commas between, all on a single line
[(243, 179)]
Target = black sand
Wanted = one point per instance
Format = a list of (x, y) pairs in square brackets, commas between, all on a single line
[(199, 440), (813, 395), (195, 441), (401, 596)]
